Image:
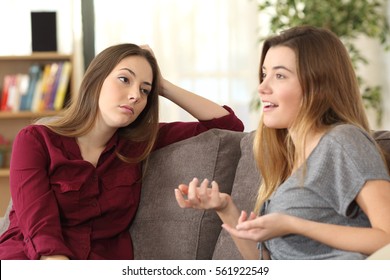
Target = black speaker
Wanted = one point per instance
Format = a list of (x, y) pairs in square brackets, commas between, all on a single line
[(44, 31)]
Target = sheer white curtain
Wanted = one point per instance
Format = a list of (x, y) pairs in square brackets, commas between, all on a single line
[(207, 46)]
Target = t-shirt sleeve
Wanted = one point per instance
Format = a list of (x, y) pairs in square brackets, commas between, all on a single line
[(349, 158)]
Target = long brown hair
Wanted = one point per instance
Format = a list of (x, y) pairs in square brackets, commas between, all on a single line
[(79, 118), (330, 96)]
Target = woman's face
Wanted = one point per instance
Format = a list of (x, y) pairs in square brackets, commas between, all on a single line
[(280, 90), (124, 93)]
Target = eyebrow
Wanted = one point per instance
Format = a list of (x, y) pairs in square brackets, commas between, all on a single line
[(279, 67), (134, 75)]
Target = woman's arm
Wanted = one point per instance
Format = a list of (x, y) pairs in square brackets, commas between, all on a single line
[(199, 107), (374, 200), (203, 197), (33, 200)]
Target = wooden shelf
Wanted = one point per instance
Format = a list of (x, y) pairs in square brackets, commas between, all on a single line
[(25, 115), (50, 56), (4, 172)]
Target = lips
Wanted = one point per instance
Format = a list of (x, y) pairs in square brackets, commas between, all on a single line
[(128, 108), (268, 104)]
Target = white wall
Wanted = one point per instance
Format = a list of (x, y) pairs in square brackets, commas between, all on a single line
[(15, 25)]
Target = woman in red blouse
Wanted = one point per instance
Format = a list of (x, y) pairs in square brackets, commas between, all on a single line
[(75, 180)]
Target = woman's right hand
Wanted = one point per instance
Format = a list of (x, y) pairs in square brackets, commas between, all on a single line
[(199, 196), (54, 257)]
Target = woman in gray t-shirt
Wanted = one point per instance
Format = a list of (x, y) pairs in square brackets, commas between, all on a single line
[(325, 191)]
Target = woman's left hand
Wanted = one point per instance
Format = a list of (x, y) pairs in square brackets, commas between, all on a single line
[(260, 228)]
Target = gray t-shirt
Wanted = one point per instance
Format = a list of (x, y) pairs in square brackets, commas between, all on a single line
[(337, 169)]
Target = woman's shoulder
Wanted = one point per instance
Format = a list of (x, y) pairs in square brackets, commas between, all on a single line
[(37, 131), (347, 140), (349, 134)]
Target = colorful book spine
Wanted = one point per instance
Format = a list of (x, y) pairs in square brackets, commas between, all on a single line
[(63, 85), (4, 96), (27, 99)]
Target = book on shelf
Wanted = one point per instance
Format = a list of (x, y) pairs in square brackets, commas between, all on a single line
[(54, 87), (4, 94), (63, 85), (26, 101), (44, 88), (14, 88)]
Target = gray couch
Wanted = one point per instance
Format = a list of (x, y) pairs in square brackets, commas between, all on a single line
[(162, 230)]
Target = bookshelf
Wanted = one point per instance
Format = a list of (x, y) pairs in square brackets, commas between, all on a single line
[(12, 122)]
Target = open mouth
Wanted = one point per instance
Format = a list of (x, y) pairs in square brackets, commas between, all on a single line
[(269, 105)]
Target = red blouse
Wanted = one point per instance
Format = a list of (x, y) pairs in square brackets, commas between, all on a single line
[(63, 205)]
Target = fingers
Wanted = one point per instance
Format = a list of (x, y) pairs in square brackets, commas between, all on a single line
[(243, 217), (148, 48), (180, 192), (214, 188), (198, 195), (203, 192), (252, 216), (250, 224), (187, 196), (192, 191), (243, 234)]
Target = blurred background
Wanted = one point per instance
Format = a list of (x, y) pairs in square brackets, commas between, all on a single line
[(210, 47)]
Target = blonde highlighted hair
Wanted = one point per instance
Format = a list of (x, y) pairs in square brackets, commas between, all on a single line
[(330, 96)]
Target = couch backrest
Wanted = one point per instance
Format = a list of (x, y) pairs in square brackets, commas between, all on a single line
[(382, 137), (244, 193), (161, 229)]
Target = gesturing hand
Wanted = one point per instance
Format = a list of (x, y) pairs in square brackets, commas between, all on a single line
[(260, 228), (201, 196)]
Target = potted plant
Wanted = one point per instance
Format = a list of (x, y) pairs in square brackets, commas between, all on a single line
[(348, 19)]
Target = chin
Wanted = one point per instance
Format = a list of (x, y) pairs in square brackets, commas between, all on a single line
[(274, 125)]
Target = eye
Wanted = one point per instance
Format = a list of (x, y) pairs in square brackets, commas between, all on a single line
[(262, 76), (145, 91), (124, 79), (280, 76)]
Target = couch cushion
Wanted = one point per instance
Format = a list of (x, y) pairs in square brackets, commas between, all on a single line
[(244, 193), (382, 137), (161, 229)]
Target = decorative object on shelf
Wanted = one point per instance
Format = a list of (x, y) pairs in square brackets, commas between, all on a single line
[(348, 19), (44, 31), (5, 152)]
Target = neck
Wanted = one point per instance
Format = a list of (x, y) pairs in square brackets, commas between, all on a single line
[(304, 146), (93, 144)]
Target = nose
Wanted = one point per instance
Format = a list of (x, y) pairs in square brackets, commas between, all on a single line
[(134, 94), (263, 88)]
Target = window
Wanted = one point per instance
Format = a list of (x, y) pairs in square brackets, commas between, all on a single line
[(209, 47)]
